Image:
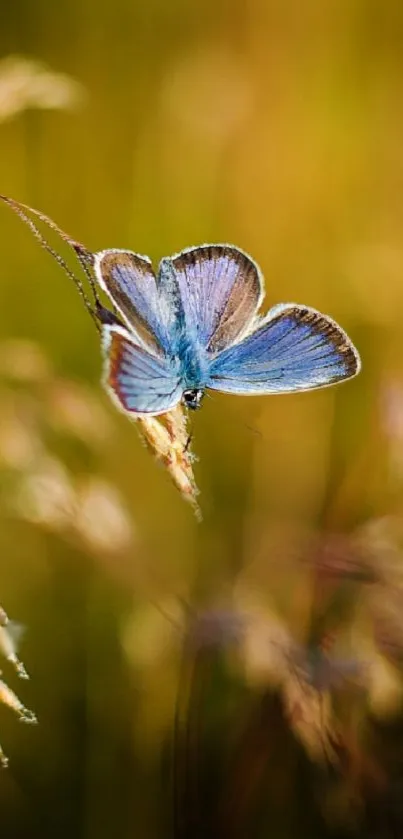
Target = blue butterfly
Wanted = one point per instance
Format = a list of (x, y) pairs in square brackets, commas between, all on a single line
[(196, 326)]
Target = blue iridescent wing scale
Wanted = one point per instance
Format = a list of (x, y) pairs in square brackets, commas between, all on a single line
[(129, 281), (220, 289), (294, 348), (138, 381)]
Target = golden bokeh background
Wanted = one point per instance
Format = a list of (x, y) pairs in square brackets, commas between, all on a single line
[(154, 126)]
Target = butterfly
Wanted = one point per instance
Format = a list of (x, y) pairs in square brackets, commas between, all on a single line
[(196, 326)]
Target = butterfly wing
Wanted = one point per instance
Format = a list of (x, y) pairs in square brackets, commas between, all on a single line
[(129, 281), (138, 381), (220, 290), (295, 348)]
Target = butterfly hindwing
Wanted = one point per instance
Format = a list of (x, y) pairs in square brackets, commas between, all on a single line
[(138, 381), (220, 290), (294, 348)]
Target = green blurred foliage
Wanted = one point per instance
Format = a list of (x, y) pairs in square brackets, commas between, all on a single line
[(277, 127)]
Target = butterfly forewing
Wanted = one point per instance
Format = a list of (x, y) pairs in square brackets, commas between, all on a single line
[(297, 349), (138, 381), (220, 290), (130, 282)]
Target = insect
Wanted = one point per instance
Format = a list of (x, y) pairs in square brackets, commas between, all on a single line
[(195, 325)]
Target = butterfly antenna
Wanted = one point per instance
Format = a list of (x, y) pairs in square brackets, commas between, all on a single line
[(84, 256)]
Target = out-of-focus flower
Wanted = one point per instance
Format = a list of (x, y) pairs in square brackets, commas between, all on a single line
[(27, 83)]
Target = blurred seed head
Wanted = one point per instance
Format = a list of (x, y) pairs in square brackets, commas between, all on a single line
[(311, 718), (100, 517), (323, 672), (92, 508), (341, 557), (10, 634), (265, 642), (384, 687), (9, 698), (41, 489), (20, 444), (311, 679), (46, 496), (73, 409), (381, 541), (26, 83)]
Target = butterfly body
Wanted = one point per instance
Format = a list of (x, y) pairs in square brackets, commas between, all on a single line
[(194, 363), (195, 325)]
